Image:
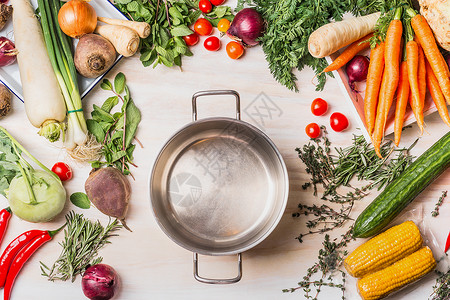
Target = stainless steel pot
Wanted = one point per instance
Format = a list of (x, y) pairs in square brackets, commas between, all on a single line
[(219, 186)]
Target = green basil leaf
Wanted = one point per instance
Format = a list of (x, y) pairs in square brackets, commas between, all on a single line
[(80, 200)]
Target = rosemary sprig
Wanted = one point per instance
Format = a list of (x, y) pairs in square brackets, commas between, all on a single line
[(438, 204), (82, 240), (441, 290)]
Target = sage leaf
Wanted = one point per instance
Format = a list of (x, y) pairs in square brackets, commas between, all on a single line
[(80, 200), (119, 83)]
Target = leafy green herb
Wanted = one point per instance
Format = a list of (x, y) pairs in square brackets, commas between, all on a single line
[(441, 290), (82, 240), (333, 173), (169, 21), (435, 212), (80, 200), (289, 25), (115, 131)]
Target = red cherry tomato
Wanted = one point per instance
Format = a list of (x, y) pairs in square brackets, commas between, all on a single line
[(205, 6), (319, 107), (191, 39), (217, 2), (234, 50), (338, 121), (212, 43), (63, 171), (203, 27), (312, 130)]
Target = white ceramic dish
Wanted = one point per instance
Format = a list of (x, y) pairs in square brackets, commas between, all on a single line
[(10, 76)]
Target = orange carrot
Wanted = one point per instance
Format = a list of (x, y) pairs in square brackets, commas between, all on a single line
[(421, 77), (412, 60), (349, 52), (434, 56), (373, 83), (392, 65), (402, 101), (436, 94)]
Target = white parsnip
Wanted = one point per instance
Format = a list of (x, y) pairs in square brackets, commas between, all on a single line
[(124, 39), (142, 28), (333, 36), (44, 103)]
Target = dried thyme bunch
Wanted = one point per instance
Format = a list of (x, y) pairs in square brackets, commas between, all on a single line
[(438, 204), (441, 290)]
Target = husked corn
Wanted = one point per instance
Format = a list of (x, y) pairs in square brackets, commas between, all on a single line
[(384, 249), (392, 278)]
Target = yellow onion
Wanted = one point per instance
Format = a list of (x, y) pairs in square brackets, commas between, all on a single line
[(77, 18)]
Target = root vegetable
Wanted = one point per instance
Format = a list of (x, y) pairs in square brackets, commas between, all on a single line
[(44, 103), (8, 52), (333, 36), (109, 191), (5, 101), (437, 14), (94, 55), (124, 39), (142, 28), (5, 14)]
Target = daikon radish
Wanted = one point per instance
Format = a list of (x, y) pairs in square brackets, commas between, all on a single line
[(124, 39), (333, 36), (142, 28), (44, 103)]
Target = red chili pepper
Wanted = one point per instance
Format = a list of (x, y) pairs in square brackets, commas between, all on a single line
[(5, 215), (447, 244), (22, 257)]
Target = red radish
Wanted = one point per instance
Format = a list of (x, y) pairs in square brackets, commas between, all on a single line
[(8, 52), (357, 70), (247, 27)]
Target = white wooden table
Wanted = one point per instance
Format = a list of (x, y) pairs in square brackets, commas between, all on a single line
[(151, 266)]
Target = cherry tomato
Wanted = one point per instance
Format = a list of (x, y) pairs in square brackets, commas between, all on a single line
[(312, 130), (191, 39), (338, 121), (234, 50), (63, 171), (205, 6), (319, 107), (212, 43), (223, 25), (217, 2), (203, 27)]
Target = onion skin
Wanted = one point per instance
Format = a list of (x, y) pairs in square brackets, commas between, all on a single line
[(357, 70), (77, 18), (247, 27), (8, 52), (99, 282)]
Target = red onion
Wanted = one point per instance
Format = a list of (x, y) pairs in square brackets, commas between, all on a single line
[(99, 282), (357, 70), (8, 52), (3, 1), (247, 27)]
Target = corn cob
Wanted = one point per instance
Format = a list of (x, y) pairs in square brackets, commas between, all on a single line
[(384, 249), (392, 278)]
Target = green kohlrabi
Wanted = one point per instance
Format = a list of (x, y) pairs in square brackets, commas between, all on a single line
[(33, 195)]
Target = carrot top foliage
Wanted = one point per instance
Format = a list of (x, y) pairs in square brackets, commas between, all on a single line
[(289, 25)]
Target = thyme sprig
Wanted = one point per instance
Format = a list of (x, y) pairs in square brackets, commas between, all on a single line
[(333, 172), (82, 240), (438, 204), (441, 289)]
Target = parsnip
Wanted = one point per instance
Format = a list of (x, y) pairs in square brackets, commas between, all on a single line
[(124, 39), (142, 28), (437, 14), (44, 103), (333, 36)]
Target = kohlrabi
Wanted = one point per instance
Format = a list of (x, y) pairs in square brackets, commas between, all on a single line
[(33, 195)]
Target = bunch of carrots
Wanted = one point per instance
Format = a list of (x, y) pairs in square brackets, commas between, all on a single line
[(402, 65)]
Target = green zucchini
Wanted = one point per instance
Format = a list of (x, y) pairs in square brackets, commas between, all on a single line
[(402, 191)]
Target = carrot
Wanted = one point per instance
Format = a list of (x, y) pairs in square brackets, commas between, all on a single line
[(421, 78), (349, 52), (436, 94), (333, 36), (374, 77), (402, 101), (392, 64), (434, 56), (412, 60)]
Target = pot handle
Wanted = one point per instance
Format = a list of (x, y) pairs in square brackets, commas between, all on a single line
[(217, 281), (215, 93)]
